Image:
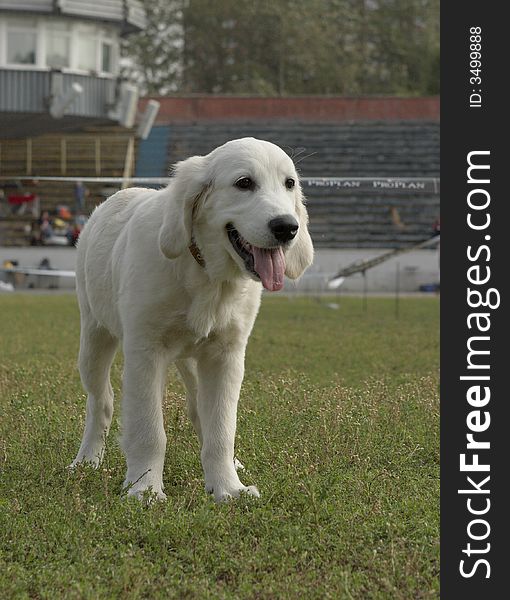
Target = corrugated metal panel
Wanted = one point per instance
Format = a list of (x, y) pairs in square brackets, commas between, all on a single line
[(113, 10), (102, 9), (129, 12), (35, 5), (27, 91), (23, 91), (97, 94)]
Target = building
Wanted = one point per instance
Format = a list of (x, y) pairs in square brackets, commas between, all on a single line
[(59, 64)]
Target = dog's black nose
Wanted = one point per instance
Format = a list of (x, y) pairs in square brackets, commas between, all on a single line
[(284, 228)]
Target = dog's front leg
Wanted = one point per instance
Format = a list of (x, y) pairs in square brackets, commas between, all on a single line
[(220, 374), (143, 433)]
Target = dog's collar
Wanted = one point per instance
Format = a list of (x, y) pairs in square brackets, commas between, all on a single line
[(195, 252)]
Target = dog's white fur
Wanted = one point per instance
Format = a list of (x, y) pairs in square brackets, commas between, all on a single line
[(138, 284)]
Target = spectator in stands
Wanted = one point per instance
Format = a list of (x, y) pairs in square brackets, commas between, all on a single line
[(80, 194), (73, 232), (46, 226), (397, 220), (35, 232)]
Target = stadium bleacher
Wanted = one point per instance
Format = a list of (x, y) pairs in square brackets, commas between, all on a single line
[(358, 143)]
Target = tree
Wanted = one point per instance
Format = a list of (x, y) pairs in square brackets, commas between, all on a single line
[(289, 47), (153, 58)]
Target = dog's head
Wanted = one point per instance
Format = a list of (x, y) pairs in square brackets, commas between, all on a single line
[(244, 206)]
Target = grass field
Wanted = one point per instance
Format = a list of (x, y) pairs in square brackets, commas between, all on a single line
[(338, 427)]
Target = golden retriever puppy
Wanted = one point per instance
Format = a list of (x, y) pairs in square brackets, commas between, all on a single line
[(176, 275)]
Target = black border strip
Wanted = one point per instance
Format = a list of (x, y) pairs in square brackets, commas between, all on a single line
[(464, 129)]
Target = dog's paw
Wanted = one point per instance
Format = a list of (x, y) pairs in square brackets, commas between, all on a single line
[(147, 488), (224, 493), (87, 458), (146, 495)]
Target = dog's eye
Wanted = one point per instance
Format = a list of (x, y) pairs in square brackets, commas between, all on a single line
[(290, 183), (245, 183)]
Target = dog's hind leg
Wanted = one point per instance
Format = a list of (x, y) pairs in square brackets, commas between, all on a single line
[(97, 350), (188, 371)]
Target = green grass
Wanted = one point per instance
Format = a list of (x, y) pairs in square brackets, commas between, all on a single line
[(338, 427)]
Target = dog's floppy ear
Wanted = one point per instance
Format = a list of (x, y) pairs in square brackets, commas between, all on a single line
[(300, 255), (185, 190)]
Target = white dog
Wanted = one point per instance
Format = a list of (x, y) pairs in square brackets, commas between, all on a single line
[(176, 275)]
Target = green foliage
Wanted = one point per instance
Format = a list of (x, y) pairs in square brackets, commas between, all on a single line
[(338, 426), (288, 47), (153, 58)]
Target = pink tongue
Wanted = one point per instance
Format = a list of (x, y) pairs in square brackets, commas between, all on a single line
[(270, 266)]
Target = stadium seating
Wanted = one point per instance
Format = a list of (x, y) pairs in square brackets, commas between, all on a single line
[(338, 218)]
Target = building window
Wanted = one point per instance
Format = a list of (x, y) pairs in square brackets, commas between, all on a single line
[(21, 47), (46, 43), (86, 52), (58, 46), (106, 58)]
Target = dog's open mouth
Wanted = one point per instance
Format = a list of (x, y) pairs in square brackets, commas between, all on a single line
[(268, 264)]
